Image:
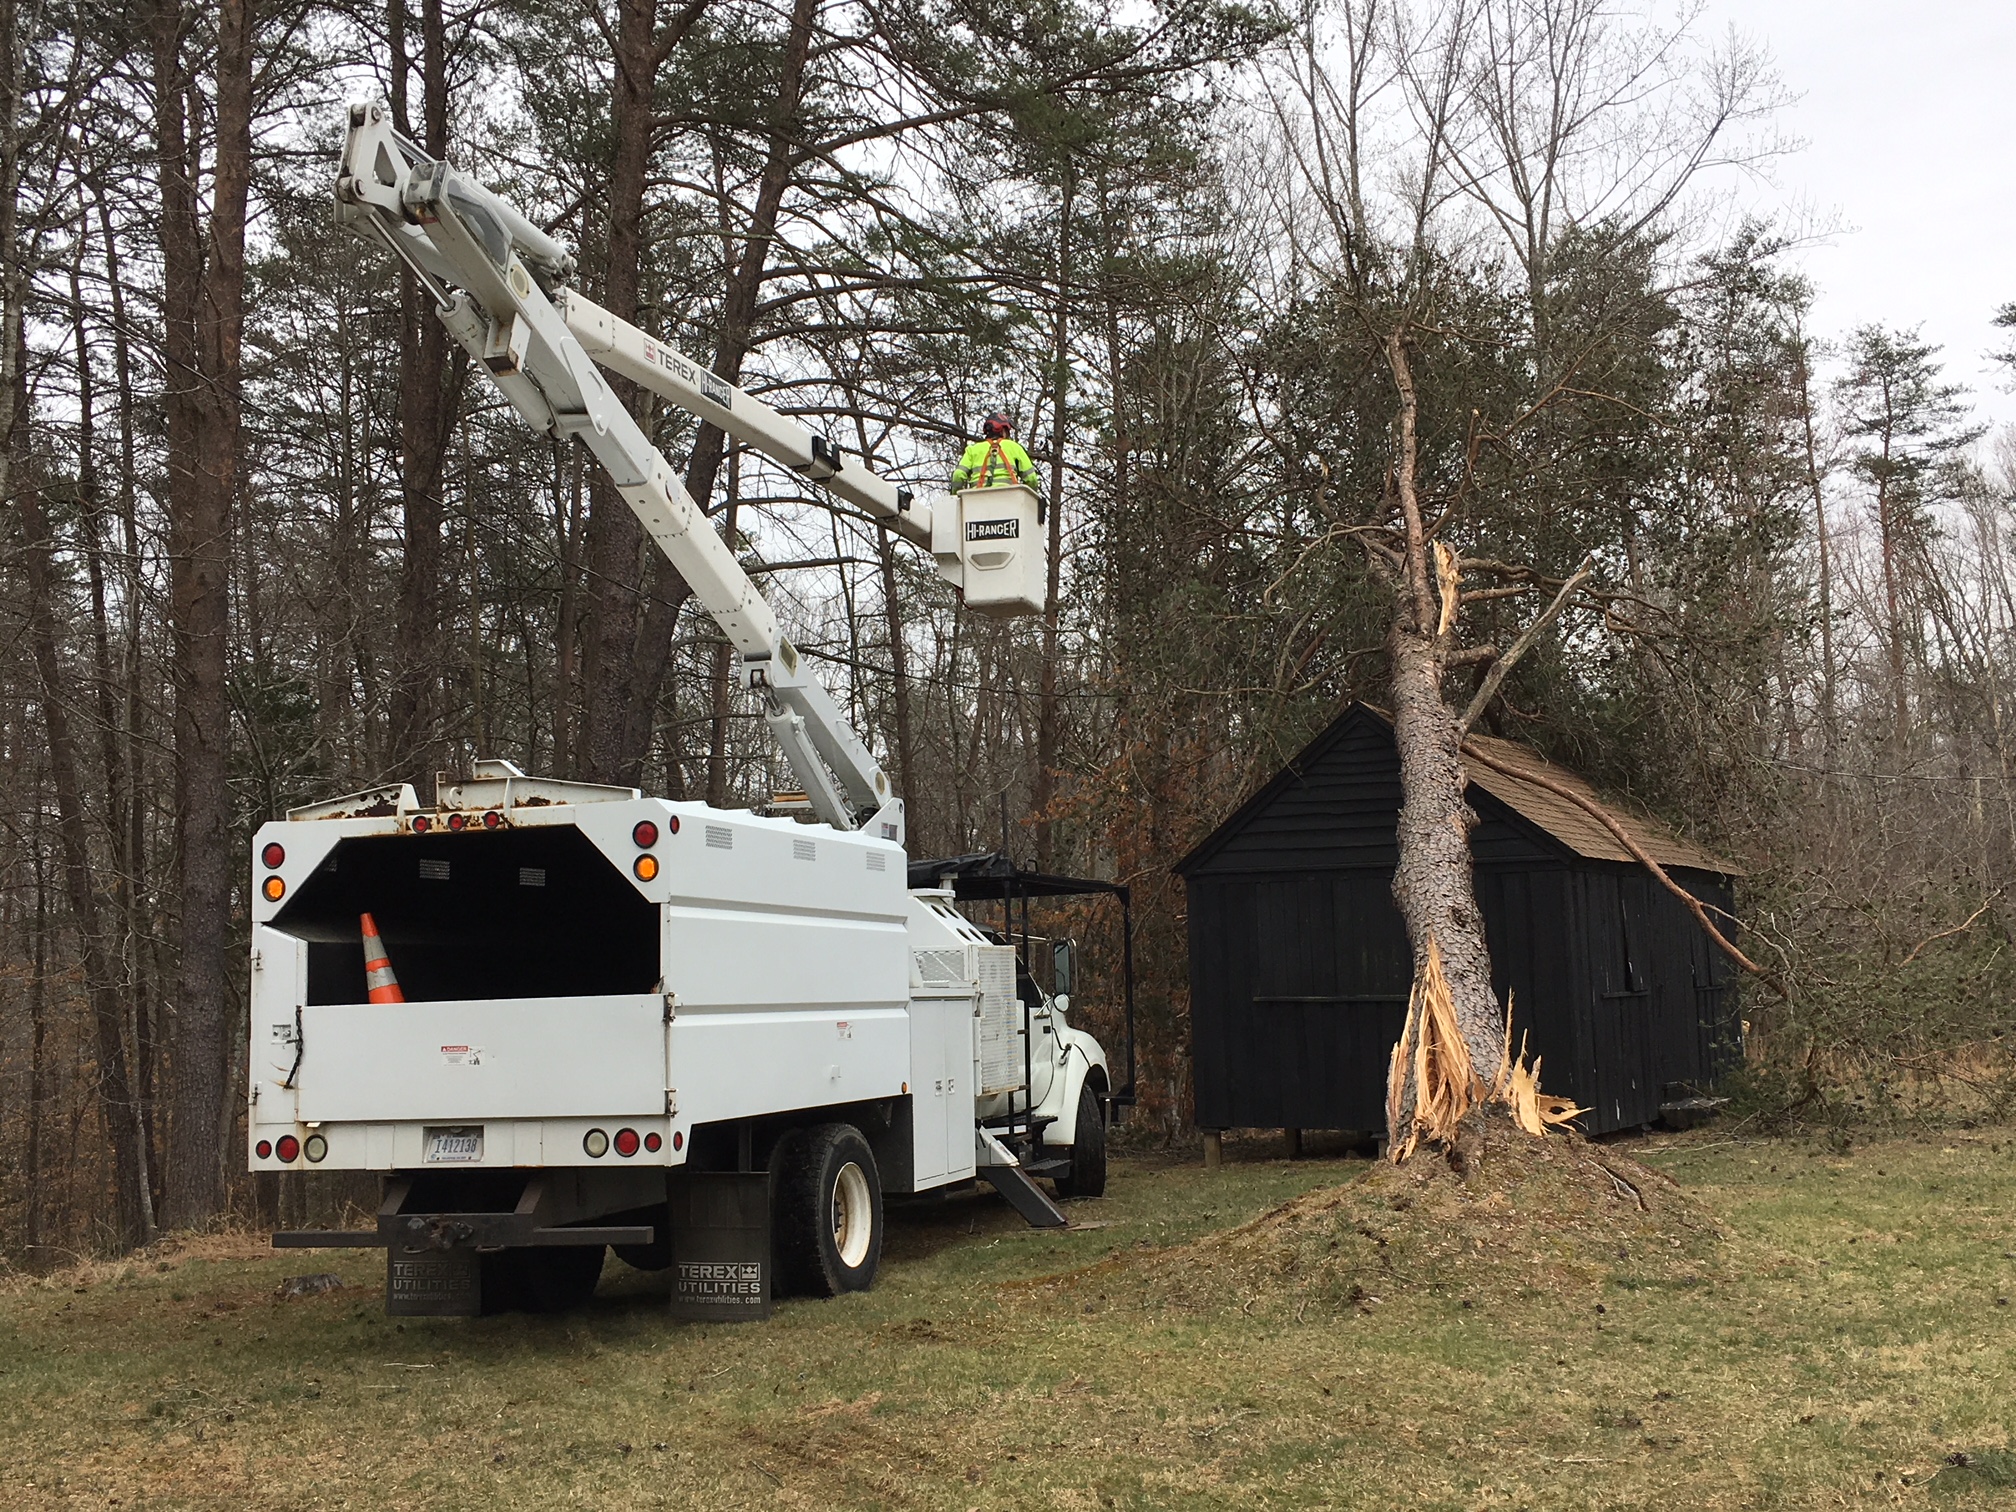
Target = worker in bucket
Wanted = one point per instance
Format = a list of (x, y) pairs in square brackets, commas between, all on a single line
[(997, 460)]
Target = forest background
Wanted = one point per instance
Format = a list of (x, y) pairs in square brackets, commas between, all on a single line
[(266, 539)]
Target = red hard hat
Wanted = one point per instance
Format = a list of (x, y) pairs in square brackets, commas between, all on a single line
[(996, 425)]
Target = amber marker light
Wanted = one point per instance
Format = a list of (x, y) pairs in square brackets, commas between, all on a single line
[(646, 868), (275, 889)]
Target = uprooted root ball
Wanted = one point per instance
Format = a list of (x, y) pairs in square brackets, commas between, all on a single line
[(1550, 1215)]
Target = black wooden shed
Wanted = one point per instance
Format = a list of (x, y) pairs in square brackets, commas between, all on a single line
[(1299, 963)]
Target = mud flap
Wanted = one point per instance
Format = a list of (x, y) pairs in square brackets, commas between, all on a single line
[(433, 1283), (720, 1246)]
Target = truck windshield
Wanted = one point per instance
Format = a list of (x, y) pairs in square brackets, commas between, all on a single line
[(486, 914)]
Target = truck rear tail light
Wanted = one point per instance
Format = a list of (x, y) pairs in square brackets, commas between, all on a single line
[(289, 1148), (646, 867), (596, 1144), (492, 819), (678, 1140), (645, 835), (316, 1148), (626, 1142), (654, 1142), (263, 1149), (275, 888), (422, 824), (273, 854), (458, 822)]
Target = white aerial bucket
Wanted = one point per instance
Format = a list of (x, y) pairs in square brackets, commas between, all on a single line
[(1001, 556)]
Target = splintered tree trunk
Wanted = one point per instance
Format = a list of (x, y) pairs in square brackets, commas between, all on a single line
[(1432, 883)]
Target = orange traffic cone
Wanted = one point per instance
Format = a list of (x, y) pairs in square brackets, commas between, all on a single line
[(381, 985)]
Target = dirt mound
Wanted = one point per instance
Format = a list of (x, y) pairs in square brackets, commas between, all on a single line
[(1548, 1215)]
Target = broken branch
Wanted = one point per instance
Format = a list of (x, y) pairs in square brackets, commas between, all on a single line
[(1495, 678), (1603, 817), (1962, 928)]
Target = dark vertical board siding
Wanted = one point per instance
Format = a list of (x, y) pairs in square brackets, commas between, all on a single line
[(1210, 931), (1299, 960)]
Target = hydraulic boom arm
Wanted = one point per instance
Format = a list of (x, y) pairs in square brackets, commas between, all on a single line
[(494, 278)]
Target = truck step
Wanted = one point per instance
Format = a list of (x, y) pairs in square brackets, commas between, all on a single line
[(1025, 1196)]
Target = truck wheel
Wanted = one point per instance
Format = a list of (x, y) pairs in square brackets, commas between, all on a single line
[(829, 1235), (1088, 1150), (556, 1278), (657, 1255)]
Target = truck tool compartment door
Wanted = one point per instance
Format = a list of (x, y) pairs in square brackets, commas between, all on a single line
[(572, 1057)]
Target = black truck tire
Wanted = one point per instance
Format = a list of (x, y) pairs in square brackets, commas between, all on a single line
[(1087, 1177), (553, 1278), (657, 1255), (829, 1212)]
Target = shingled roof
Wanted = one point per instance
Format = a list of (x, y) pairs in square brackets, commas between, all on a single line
[(1573, 826), (1566, 823)]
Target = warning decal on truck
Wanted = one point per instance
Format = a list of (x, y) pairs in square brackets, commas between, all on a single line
[(462, 1055)]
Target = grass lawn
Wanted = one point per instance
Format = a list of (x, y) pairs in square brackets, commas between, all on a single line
[(1850, 1347)]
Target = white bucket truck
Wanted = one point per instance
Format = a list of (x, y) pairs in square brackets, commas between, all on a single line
[(710, 1039)]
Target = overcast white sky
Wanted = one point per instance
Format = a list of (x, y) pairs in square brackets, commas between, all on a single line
[(1909, 115)]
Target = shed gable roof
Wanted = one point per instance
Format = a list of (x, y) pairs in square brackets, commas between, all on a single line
[(1564, 822)]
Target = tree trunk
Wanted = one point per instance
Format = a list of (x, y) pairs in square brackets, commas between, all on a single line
[(1049, 704), (567, 532), (137, 934), (115, 1088), (908, 779), (1432, 883), (1825, 584), (202, 286), (36, 1198), (1893, 609), (427, 399), (612, 580), (722, 686), (669, 592)]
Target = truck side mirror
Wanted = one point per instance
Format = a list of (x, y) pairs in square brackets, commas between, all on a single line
[(1063, 955)]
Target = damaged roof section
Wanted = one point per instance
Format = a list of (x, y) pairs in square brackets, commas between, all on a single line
[(1334, 804), (1572, 825)]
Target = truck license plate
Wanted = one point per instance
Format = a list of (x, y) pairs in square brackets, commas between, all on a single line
[(453, 1146)]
